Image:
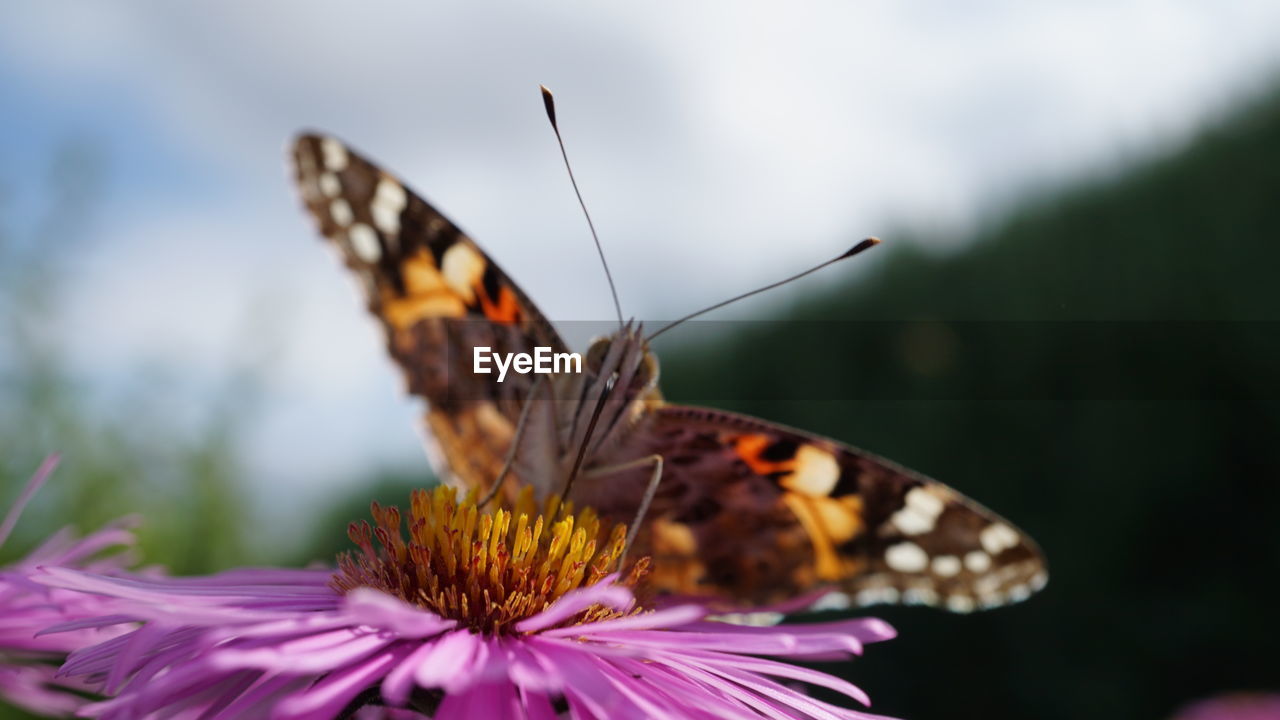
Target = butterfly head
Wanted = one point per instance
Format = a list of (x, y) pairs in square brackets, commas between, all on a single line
[(625, 359)]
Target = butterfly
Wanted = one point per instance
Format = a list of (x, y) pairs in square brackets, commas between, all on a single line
[(744, 513)]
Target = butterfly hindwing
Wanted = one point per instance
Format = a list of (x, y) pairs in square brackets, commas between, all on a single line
[(753, 512), (437, 296)]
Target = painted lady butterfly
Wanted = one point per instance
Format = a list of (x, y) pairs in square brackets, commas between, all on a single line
[(746, 512)]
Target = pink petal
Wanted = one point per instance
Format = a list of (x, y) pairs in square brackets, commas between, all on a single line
[(497, 700), (602, 593), (671, 617), (370, 607), (866, 630), (329, 696), (315, 654), (11, 518), (712, 663), (454, 663), (537, 706), (777, 643), (530, 671), (398, 684), (588, 687)]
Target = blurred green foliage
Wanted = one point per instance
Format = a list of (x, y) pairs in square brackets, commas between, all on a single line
[(122, 454), (1126, 414), (1103, 368)]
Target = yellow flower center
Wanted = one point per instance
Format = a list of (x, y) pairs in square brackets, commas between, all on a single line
[(487, 569)]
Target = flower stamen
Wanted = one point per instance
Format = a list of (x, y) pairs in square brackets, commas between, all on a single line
[(478, 566)]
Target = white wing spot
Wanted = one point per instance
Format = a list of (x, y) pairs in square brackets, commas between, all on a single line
[(906, 557), (340, 211), (946, 566), (875, 596), (988, 585), (364, 243), (335, 156), (388, 202), (996, 537), (1018, 593), (977, 561), (910, 522), (329, 184), (463, 266), (926, 502), (920, 596), (920, 513), (960, 603), (831, 601), (754, 619), (816, 472)]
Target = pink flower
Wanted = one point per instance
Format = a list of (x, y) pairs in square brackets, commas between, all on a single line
[(28, 663), (474, 616)]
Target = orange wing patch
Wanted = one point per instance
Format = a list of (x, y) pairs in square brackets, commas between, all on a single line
[(809, 474), (506, 311), (674, 548), (829, 522), (432, 292), (425, 294)]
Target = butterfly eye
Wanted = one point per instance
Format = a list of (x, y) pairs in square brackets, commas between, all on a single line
[(596, 355), (647, 373)]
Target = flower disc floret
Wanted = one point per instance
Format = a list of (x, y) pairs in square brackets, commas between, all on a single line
[(486, 569)]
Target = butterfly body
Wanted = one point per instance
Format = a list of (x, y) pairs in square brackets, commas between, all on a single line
[(746, 513)]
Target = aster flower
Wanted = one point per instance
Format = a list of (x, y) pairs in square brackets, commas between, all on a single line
[(476, 614), (28, 664)]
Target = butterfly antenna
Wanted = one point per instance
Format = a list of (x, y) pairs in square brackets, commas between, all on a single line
[(550, 103), (863, 245)]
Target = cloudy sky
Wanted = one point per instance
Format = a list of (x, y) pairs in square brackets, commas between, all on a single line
[(718, 144)]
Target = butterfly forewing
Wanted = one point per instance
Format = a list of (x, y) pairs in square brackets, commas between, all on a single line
[(437, 296)]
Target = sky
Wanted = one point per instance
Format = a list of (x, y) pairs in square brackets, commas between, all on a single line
[(719, 146)]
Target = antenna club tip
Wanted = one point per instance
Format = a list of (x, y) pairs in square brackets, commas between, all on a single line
[(549, 102), (862, 245)]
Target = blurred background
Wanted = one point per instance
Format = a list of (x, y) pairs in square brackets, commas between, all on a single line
[(1073, 318)]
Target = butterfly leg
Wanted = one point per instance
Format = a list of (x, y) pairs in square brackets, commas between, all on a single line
[(650, 490), (516, 436)]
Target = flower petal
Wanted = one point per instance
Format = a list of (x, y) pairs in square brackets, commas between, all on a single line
[(603, 593), (33, 485), (487, 700), (671, 617), (328, 697), (385, 612), (454, 663)]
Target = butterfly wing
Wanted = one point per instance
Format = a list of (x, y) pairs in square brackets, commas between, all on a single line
[(437, 296), (751, 512)]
